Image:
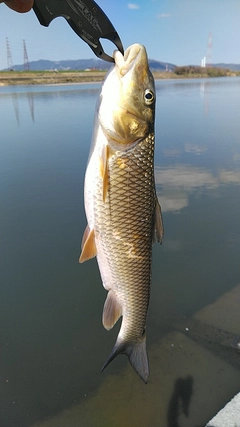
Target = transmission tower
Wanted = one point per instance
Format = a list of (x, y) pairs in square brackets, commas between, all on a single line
[(209, 51), (25, 57), (9, 56)]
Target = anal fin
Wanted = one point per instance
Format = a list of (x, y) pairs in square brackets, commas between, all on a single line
[(112, 310), (88, 245)]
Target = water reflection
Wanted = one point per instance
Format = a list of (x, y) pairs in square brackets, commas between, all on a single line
[(175, 185), (35, 94), (194, 149), (30, 97), (15, 106), (52, 341)]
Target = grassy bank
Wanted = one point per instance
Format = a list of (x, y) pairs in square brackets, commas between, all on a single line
[(10, 78), (49, 77)]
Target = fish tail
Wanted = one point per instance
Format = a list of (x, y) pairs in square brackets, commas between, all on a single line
[(137, 355)]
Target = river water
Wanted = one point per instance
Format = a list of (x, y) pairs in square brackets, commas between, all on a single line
[(52, 342)]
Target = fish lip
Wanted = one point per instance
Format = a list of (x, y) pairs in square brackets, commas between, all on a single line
[(125, 63), (133, 64)]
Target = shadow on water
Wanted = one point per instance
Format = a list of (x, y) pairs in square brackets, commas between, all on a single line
[(180, 400)]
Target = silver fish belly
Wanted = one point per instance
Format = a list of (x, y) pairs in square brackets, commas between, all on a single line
[(123, 213)]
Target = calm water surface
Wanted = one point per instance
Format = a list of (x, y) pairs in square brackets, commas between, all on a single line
[(52, 343)]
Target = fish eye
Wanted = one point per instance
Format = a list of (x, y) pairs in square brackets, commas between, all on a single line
[(148, 97)]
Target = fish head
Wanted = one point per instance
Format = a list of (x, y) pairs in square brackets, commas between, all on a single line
[(127, 105)]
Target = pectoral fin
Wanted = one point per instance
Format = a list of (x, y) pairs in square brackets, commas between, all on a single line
[(158, 230), (104, 170), (88, 245), (112, 311)]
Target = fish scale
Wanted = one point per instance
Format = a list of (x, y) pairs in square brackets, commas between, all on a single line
[(123, 213), (129, 220)]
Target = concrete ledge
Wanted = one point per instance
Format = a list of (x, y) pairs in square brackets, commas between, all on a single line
[(229, 416)]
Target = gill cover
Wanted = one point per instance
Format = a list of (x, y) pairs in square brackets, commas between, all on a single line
[(128, 98)]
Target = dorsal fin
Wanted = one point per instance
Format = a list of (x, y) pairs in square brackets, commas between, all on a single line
[(88, 245)]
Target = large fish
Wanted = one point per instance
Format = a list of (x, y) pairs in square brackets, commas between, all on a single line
[(123, 213)]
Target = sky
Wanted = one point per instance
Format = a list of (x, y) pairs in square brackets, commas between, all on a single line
[(174, 31)]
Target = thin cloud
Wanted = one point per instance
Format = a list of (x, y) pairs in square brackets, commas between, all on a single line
[(176, 184), (133, 6), (163, 15)]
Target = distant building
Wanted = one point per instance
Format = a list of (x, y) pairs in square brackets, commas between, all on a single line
[(203, 62)]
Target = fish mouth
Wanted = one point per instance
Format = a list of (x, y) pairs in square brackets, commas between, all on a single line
[(135, 56), (131, 119)]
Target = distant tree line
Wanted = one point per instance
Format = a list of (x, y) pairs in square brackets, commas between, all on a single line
[(191, 70)]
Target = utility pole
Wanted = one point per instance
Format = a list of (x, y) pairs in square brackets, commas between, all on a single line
[(9, 56), (26, 65)]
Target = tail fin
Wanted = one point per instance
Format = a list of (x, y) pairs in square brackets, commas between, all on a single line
[(137, 354)]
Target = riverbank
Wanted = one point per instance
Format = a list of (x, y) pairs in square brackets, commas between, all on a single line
[(11, 78)]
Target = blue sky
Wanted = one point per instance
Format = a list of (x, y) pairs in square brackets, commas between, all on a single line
[(174, 31)]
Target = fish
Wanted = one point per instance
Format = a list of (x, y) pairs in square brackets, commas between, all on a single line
[(122, 209)]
